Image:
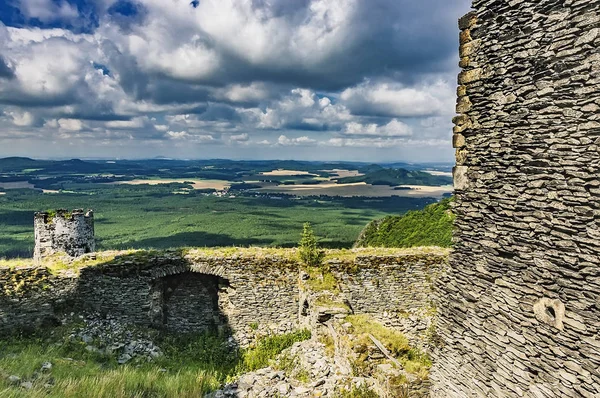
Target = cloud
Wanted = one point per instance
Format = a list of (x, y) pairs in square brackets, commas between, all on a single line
[(22, 119), (398, 100), (70, 124), (299, 141), (262, 73), (6, 72), (240, 137), (48, 10), (394, 128)]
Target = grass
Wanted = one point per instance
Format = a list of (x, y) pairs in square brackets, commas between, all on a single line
[(291, 366), (190, 367), (320, 279), (327, 340), (330, 303), (362, 391), (412, 359), (266, 349)]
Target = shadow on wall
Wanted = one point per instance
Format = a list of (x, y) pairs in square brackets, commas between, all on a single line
[(163, 292)]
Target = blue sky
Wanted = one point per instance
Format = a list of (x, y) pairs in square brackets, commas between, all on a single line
[(244, 79)]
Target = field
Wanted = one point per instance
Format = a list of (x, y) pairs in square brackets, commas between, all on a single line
[(359, 189), (174, 203), (196, 184), (130, 216)]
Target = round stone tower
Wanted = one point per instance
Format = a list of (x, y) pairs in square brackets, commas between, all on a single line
[(64, 232)]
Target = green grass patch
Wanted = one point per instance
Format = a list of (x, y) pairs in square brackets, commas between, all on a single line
[(267, 348), (321, 279), (191, 366), (362, 391), (412, 359)]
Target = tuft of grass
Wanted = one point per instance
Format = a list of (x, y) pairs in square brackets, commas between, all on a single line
[(394, 341), (362, 391), (327, 340), (321, 279), (268, 348), (329, 303), (413, 360), (291, 366)]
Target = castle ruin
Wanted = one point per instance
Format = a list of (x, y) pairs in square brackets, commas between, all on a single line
[(519, 310), (63, 232)]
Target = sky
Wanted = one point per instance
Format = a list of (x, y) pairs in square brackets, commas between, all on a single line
[(364, 80)]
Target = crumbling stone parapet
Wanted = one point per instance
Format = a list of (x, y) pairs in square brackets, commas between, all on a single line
[(63, 232)]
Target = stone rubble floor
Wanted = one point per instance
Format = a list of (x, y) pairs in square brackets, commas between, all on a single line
[(311, 361)]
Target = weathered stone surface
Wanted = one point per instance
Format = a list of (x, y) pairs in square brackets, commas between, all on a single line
[(71, 234), (195, 292), (518, 310)]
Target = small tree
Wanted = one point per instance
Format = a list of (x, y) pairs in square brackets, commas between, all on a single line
[(308, 247)]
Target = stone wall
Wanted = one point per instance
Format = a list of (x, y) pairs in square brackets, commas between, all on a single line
[(241, 291), (31, 296), (62, 232), (519, 309), (378, 284), (194, 291)]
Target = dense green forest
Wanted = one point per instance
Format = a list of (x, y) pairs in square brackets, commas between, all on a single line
[(431, 226), (142, 216)]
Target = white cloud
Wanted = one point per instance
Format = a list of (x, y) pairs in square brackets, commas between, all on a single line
[(70, 124), (396, 100), (381, 142), (243, 93), (177, 135), (394, 128), (22, 119), (300, 141), (240, 137), (48, 10)]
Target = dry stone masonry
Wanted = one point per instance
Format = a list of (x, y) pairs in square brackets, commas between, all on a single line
[(195, 290), (63, 232), (519, 310)]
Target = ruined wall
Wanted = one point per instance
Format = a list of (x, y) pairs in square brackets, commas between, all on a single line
[(519, 309), (63, 232), (252, 290), (31, 296), (378, 284), (195, 291)]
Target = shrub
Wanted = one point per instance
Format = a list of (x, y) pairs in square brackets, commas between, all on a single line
[(309, 250)]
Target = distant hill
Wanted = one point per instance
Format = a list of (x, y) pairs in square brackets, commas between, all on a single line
[(431, 226), (16, 164), (377, 175)]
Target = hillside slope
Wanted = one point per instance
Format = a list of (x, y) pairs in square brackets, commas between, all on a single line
[(431, 226)]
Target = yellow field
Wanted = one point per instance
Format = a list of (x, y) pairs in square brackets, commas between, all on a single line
[(282, 172), (357, 189)]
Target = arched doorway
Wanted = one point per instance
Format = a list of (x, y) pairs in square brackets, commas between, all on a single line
[(188, 302)]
